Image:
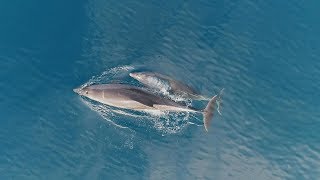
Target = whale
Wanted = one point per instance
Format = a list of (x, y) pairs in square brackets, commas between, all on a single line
[(163, 82), (136, 98)]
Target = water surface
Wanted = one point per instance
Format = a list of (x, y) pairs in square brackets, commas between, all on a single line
[(265, 55)]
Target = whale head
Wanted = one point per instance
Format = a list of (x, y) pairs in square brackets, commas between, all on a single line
[(81, 91), (86, 91)]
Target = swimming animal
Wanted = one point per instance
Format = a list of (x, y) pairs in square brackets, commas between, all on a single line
[(165, 83), (135, 98)]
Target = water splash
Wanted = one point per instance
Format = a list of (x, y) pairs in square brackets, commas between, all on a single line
[(109, 75)]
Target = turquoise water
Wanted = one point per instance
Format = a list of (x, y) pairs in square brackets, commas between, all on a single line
[(265, 55)]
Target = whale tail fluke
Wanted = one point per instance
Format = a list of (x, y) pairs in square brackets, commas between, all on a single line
[(209, 110)]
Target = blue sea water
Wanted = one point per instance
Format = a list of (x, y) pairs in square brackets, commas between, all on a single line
[(264, 53)]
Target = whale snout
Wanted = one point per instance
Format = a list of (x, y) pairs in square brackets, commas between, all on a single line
[(76, 90)]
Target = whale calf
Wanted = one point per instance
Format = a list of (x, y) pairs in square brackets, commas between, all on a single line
[(162, 82), (135, 98)]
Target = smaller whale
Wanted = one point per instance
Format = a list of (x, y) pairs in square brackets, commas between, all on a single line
[(135, 98), (165, 83)]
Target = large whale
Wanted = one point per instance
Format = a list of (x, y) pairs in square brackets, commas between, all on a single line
[(162, 82), (135, 98)]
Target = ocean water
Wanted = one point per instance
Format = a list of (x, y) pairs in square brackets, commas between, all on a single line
[(264, 53)]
